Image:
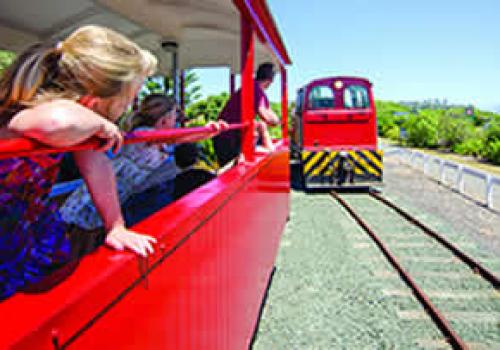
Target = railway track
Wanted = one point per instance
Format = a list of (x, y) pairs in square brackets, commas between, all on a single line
[(445, 257)]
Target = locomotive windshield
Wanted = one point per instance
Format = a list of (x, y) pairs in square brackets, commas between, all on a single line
[(321, 97), (356, 96)]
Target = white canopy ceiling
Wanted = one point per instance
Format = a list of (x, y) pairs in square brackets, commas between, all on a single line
[(207, 31)]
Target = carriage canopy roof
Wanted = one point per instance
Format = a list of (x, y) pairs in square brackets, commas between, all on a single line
[(207, 32)]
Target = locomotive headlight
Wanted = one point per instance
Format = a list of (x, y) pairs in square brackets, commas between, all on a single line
[(338, 84)]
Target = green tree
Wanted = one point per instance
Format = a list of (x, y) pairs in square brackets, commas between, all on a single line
[(192, 89), (6, 58), (203, 111), (161, 84)]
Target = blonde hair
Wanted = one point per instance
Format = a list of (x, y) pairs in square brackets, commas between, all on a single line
[(92, 60)]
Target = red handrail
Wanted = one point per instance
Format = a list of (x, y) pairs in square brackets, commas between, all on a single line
[(22, 146)]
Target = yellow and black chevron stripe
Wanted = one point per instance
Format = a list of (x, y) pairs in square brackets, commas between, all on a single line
[(366, 164), (202, 164)]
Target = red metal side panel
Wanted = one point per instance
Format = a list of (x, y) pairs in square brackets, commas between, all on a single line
[(247, 88), (284, 103), (205, 287)]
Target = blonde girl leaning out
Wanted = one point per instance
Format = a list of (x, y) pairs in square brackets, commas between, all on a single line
[(61, 95)]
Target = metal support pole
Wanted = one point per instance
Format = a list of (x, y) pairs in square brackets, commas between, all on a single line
[(175, 76), (171, 46), (183, 92), (284, 105), (247, 88), (232, 84)]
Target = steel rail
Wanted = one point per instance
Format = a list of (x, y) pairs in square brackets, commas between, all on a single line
[(473, 264), (451, 336)]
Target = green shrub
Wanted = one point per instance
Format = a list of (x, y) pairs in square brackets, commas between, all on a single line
[(454, 130), (389, 114), (421, 131), (384, 124), (492, 141), (472, 147), (393, 133), (492, 152), (493, 131), (477, 134)]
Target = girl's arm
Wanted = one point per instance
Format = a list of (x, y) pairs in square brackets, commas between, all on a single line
[(62, 123), (216, 126), (98, 174)]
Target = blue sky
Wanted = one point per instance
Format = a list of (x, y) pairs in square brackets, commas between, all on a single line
[(410, 50)]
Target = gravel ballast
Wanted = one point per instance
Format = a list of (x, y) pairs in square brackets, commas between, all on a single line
[(334, 290)]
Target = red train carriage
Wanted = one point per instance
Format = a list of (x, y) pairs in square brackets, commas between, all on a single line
[(203, 287), (335, 133)]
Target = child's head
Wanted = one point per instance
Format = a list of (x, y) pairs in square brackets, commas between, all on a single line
[(156, 110), (186, 154), (92, 61)]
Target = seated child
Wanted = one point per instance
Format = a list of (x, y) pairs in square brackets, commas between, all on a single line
[(132, 166), (158, 196), (189, 177)]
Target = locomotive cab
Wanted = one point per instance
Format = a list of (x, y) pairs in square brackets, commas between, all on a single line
[(334, 135)]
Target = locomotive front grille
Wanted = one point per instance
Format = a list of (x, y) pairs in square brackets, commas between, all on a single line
[(338, 167)]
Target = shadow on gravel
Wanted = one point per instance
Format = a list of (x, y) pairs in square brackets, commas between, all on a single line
[(261, 309), (295, 177)]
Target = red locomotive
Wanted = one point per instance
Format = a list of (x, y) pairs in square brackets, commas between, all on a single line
[(335, 133)]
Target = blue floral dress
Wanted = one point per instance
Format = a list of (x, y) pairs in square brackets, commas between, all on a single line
[(33, 239), (138, 168)]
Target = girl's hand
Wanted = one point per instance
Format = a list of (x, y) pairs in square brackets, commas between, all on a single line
[(112, 136), (120, 238), (223, 125), (217, 126)]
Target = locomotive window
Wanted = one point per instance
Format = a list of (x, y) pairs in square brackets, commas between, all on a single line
[(321, 97), (356, 96)]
